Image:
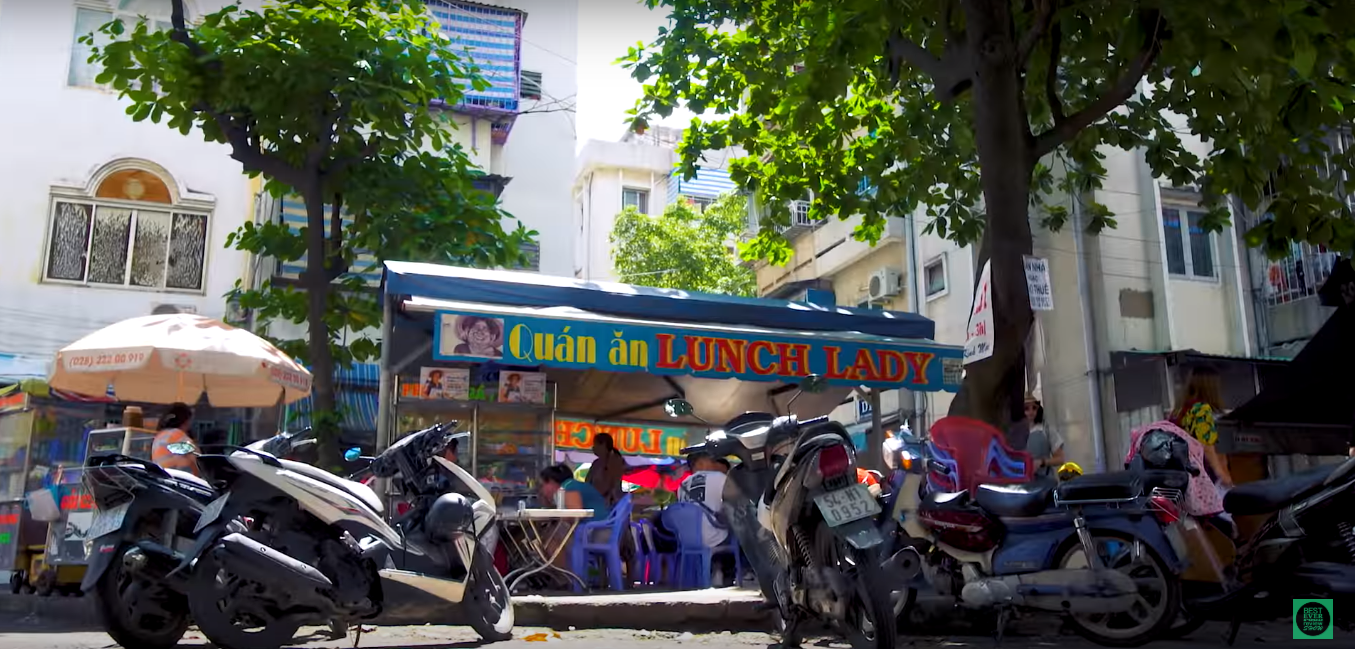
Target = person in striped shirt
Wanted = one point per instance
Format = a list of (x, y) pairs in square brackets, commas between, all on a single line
[(173, 429)]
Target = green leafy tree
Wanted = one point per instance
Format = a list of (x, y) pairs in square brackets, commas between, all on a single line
[(329, 100), (685, 248), (979, 111)]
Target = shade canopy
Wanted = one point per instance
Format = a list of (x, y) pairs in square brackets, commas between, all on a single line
[(179, 357), (1314, 389)]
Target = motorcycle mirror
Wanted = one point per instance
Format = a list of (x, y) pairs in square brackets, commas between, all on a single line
[(678, 408), (181, 448), (353, 454), (813, 384)]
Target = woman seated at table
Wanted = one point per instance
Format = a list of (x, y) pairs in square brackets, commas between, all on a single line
[(558, 486)]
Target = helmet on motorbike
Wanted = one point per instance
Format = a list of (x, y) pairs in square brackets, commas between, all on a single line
[(1069, 470), (450, 514), (1160, 449)]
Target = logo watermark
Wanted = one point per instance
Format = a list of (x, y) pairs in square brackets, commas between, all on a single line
[(1313, 619)]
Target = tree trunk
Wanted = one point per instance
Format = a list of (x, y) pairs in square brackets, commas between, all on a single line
[(993, 388), (315, 280)]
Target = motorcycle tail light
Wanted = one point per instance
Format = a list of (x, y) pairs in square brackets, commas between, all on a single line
[(834, 462), (1164, 509)]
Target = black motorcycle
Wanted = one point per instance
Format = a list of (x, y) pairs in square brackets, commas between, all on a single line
[(139, 544), (806, 524), (1304, 550)]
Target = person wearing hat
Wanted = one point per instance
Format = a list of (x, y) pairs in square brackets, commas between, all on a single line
[(1044, 445)]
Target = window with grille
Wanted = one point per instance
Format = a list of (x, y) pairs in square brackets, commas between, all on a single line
[(530, 85), (1190, 249), (88, 20), (1298, 275), (934, 274), (700, 203), (636, 198), (130, 233)]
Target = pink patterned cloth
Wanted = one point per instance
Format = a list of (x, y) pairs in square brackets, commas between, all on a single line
[(1202, 497)]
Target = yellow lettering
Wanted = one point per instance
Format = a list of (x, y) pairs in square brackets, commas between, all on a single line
[(564, 346), (545, 346), (639, 353), (619, 354), (520, 342), (587, 350)]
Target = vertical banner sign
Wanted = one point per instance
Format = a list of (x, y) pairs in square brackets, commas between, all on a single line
[(978, 343), (1037, 284)]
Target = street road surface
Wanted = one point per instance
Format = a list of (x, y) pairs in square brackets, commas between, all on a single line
[(26, 636)]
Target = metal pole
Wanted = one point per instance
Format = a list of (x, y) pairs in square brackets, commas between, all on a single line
[(386, 386), (1089, 340)]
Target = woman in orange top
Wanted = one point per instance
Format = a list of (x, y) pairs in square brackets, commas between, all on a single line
[(174, 430)]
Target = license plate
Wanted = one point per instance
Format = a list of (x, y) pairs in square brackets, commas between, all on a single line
[(107, 522), (210, 513), (847, 505)]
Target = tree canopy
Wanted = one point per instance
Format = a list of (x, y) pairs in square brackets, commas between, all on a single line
[(988, 115), (685, 248), (328, 100)]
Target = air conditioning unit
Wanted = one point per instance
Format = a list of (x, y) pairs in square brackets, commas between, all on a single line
[(885, 282), (171, 309)]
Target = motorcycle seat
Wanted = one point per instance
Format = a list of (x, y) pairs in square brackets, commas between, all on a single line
[(186, 477), (356, 489), (1265, 496), (946, 500), (1016, 500)]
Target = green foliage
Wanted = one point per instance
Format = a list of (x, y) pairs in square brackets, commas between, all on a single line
[(685, 248), (827, 95), (327, 100)]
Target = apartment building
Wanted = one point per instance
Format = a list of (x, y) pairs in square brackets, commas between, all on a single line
[(103, 218), (638, 171)]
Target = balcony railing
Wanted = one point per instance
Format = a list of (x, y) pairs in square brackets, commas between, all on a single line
[(1299, 275)]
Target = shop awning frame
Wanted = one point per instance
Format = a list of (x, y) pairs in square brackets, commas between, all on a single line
[(889, 349)]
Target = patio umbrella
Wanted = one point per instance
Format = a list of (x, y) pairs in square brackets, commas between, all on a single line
[(169, 358)]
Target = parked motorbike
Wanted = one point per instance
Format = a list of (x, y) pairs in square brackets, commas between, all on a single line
[(140, 540), (318, 549), (1100, 548), (1304, 550), (805, 523)]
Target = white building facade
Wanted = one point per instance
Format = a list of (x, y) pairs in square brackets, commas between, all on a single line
[(639, 171), (103, 218)]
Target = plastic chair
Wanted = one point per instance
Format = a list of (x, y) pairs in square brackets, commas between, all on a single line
[(694, 556), (980, 454), (587, 546), (649, 565)]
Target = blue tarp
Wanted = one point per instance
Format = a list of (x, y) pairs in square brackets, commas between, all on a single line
[(623, 300)]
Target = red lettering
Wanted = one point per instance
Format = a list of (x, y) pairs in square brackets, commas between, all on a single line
[(834, 370), (892, 368), (695, 345), (730, 355), (630, 440), (649, 444), (865, 366), (918, 362), (563, 428), (666, 360), (755, 359), (794, 358)]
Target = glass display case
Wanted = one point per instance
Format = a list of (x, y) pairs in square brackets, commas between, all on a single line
[(512, 446)]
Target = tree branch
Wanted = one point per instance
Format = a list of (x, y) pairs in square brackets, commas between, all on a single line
[(335, 264), (1116, 95), (1044, 17), (949, 76), (1051, 77)]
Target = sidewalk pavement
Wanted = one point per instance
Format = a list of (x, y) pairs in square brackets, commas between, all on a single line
[(720, 609)]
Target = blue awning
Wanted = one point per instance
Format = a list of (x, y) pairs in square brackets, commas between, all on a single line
[(640, 302)]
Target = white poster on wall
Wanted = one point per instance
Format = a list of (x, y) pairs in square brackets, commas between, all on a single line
[(978, 343), (1037, 284)]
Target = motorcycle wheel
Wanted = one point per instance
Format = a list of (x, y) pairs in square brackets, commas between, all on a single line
[(1159, 601), (228, 620), (877, 626), (136, 612), (488, 604)]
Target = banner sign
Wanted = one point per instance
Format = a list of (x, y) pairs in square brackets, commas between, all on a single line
[(921, 366), (631, 439)]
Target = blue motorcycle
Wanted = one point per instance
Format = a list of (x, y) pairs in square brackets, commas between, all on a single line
[(1103, 549)]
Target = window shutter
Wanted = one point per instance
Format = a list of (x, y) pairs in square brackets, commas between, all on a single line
[(530, 84)]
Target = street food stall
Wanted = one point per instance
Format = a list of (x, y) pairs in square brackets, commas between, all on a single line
[(568, 359)]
